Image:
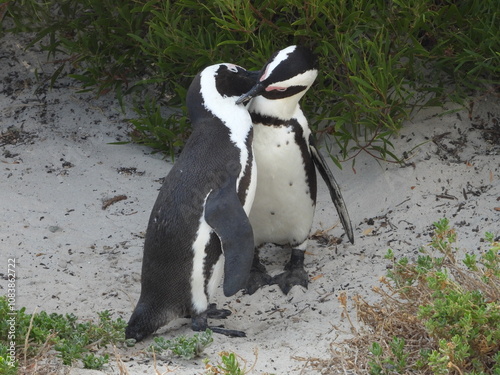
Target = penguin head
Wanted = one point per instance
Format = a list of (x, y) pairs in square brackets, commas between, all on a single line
[(217, 86), (288, 73), (233, 80)]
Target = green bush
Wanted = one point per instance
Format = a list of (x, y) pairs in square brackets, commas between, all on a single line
[(458, 304), (379, 60), (438, 314), (72, 339)]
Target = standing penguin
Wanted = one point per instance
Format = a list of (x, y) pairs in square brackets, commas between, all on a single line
[(286, 156), (199, 228)]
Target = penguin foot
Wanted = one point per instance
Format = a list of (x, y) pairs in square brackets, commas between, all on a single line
[(227, 332), (200, 323), (258, 276), (214, 313), (257, 280), (288, 279), (294, 274)]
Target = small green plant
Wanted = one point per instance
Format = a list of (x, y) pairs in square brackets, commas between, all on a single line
[(228, 365), (6, 367), (184, 347), (72, 339), (395, 361), (160, 131), (91, 361)]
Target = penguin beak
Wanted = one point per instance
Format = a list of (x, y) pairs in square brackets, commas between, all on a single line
[(254, 91), (255, 74)]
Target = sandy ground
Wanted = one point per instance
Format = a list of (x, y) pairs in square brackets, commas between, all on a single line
[(57, 167)]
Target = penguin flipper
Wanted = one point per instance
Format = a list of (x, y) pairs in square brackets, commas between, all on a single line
[(334, 188), (225, 214)]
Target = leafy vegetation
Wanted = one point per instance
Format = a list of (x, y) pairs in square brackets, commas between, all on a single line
[(228, 365), (192, 347), (71, 339), (6, 368), (184, 347), (41, 336), (438, 314), (379, 60)]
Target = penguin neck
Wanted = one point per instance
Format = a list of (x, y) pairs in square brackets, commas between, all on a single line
[(282, 109), (234, 117)]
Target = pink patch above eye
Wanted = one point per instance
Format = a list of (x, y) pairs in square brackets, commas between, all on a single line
[(277, 88), (264, 76)]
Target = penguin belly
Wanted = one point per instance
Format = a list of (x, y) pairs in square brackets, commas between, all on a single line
[(282, 211)]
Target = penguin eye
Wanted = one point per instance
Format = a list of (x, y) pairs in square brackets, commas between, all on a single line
[(282, 89)]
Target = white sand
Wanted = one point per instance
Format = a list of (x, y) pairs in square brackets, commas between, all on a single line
[(74, 257)]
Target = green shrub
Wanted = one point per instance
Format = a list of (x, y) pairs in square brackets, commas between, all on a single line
[(438, 314), (458, 304), (72, 339), (379, 60)]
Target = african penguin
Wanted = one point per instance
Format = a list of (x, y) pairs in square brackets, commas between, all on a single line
[(286, 156), (201, 211)]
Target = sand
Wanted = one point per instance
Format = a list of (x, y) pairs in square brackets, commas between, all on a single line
[(58, 167)]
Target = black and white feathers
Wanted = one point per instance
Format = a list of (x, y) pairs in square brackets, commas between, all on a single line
[(201, 210), (287, 158)]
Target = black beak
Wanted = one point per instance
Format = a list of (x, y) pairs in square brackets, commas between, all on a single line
[(254, 74), (254, 91)]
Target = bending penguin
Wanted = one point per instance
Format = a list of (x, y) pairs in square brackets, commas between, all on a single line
[(286, 157), (199, 229)]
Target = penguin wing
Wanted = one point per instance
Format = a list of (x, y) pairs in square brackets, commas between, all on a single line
[(334, 188), (224, 213)]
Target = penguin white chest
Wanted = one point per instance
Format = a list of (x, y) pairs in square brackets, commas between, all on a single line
[(282, 210)]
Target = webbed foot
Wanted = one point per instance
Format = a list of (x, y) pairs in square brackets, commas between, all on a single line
[(294, 274), (200, 322), (258, 276)]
